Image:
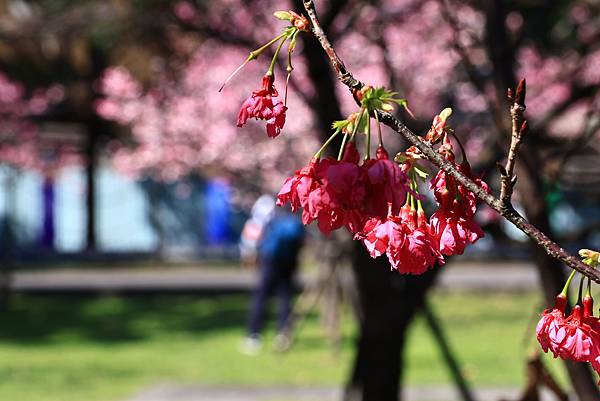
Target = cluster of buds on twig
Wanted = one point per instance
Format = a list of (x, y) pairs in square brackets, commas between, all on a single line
[(378, 200)]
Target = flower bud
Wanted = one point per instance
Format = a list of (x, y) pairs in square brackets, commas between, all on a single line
[(351, 154), (588, 306), (560, 302), (421, 220), (382, 154), (300, 22)]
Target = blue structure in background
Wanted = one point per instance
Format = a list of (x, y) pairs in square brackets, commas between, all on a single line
[(132, 216), (216, 213), (48, 226)]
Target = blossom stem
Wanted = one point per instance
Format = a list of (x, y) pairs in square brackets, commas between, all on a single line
[(341, 152), (568, 283), (289, 70), (354, 129), (588, 292), (235, 73), (327, 142), (412, 185), (255, 53), (272, 66), (289, 67), (580, 293), (460, 145), (368, 142), (379, 136), (415, 188), (252, 56), (360, 116)]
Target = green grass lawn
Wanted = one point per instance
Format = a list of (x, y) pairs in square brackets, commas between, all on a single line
[(73, 349)]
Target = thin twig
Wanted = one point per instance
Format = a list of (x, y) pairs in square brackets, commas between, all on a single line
[(518, 129), (552, 248)]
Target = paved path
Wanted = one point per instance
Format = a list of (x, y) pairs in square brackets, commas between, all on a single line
[(504, 276), (134, 280), (173, 392)]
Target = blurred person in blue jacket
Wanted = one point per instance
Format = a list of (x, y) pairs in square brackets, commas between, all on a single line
[(260, 215), (280, 243)]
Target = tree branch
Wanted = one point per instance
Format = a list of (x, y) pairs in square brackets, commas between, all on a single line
[(518, 129), (434, 157)]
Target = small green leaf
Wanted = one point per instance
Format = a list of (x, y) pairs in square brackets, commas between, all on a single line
[(290, 31), (445, 113), (400, 102), (283, 15), (400, 157), (420, 173), (381, 99), (338, 125), (590, 257)]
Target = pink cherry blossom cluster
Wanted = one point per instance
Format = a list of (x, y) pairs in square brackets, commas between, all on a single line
[(378, 201), (575, 337), (343, 193), (20, 142), (262, 106)]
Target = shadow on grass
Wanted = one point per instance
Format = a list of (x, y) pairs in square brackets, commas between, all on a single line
[(40, 319)]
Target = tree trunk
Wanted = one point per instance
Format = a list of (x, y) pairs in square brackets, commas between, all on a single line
[(389, 302), (90, 178), (48, 198), (8, 233)]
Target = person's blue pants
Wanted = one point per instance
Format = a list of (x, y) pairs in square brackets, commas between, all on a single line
[(274, 278)]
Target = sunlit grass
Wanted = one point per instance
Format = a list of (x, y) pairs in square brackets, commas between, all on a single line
[(69, 349), (492, 335)]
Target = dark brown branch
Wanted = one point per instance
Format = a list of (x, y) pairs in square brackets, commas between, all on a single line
[(518, 129), (434, 157)]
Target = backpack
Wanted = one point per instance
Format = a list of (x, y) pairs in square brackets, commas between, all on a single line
[(282, 239)]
